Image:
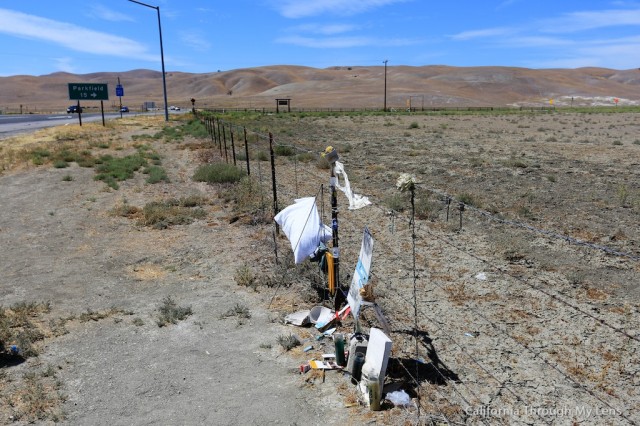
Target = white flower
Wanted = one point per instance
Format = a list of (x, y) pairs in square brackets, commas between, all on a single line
[(406, 182)]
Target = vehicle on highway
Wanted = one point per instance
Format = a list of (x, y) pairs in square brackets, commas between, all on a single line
[(74, 109), (124, 109), (174, 108)]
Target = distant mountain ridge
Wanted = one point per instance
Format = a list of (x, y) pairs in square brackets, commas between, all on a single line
[(342, 87)]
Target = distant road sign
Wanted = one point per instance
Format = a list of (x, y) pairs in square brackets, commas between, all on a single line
[(88, 92), (119, 90)]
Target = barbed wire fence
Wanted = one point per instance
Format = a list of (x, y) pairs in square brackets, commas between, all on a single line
[(254, 151)]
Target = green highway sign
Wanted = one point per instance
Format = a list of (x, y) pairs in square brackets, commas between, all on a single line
[(88, 92)]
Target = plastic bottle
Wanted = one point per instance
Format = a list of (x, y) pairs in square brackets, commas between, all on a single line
[(358, 362), (374, 391), (338, 340)]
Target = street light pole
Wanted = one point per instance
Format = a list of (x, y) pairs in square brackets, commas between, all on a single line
[(164, 79), (385, 84)]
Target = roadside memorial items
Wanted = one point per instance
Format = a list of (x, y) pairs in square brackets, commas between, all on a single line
[(399, 398), (338, 340), (299, 318), (361, 274), (356, 201), (300, 222), (357, 344), (320, 315), (378, 352)]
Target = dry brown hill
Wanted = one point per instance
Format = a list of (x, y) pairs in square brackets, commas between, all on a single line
[(339, 87)]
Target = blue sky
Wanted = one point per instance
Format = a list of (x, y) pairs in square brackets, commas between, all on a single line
[(42, 36)]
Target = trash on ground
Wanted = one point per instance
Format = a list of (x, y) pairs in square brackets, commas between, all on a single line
[(357, 343), (324, 365), (399, 398), (338, 340), (304, 368), (343, 313), (472, 333), (299, 318), (308, 348), (481, 276), (320, 316)]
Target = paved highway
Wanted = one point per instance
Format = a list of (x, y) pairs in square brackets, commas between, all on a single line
[(13, 124)]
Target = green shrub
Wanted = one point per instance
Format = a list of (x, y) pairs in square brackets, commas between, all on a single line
[(238, 310), (60, 164), (261, 156), (396, 202), (244, 277), (284, 150), (288, 342), (196, 129), (425, 208), (162, 214), (306, 157), (469, 199), (171, 313), (112, 170), (322, 163), (218, 173), (38, 156), (156, 174)]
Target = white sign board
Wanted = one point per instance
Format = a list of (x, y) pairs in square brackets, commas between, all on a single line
[(361, 274)]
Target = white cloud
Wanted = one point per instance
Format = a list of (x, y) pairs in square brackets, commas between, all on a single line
[(589, 20), (485, 33), (331, 42), (195, 41), (614, 53), (102, 12), (65, 64), (507, 3), (305, 8), (325, 29), (536, 41), (71, 36), (344, 42)]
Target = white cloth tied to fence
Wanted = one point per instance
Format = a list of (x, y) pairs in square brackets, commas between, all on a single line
[(300, 222), (355, 201)]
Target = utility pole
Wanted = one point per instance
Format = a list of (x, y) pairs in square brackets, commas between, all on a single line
[(385, 84), (120, 97), (164, 79)]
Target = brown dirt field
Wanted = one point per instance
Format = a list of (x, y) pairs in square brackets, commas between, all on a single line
[(549, 334)]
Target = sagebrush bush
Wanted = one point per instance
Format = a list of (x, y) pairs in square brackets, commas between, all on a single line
[(156, 174), (218, 173), (284, 150), (162, 214), (244, 277), (171, 313)]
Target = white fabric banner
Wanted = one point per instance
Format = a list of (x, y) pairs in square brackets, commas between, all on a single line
[(300, 222), (355, 201)]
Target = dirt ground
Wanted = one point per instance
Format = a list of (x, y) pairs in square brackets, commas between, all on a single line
[(514, 326)]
